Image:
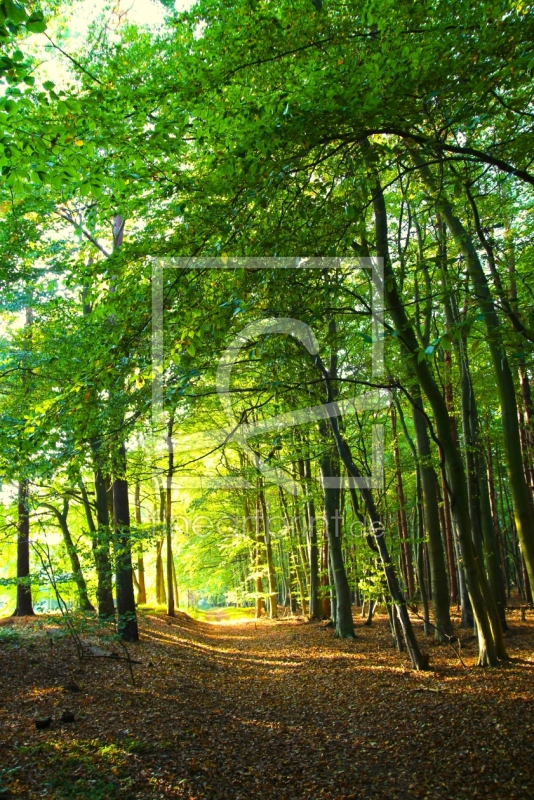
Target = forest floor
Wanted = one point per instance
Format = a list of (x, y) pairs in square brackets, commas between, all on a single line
[(268, 709)]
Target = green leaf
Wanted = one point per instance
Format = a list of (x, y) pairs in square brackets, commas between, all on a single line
[(36, 23), (15, 12), (36, 27)]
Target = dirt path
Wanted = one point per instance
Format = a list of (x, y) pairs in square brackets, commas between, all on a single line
[(273, 710)]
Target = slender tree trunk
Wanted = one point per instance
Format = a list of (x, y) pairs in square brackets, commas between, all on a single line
[(290, 523), (450, 548), (271, 572), (286, 592), (501, 558), (298, 557), (175, 586), (260, 602), (24, 607), (491, 545), (168, 520), (467, 620), (449, 543), (24, 591), (403, 524), (104, 591), (127, 617), (526, 582), (312, 534), (468, 426), (325, 602), (343, 621), (421, 572), (528, 411), (332, 589), (83, 602), (403, 569), (396, 636), (161, 594), (300, 540), (141, 591)]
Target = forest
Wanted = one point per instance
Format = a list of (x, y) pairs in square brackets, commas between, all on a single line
[(266, 399)]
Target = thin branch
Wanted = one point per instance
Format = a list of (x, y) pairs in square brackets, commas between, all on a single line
[(84, 233), (71, 58)]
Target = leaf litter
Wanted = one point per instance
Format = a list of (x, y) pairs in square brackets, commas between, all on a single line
[(264, 709)]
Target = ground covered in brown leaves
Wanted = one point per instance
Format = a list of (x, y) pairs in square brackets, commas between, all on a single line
[(269, 710)]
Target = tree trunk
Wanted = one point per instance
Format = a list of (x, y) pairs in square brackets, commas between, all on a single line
[(332, 590), (168, 520), (104, 591), (491, 546), (271, 573), (325, 602), (343, 621), (141, 591), (260, 603), (501, 558), (161, 594), (127, 618), (286, 599), (24, 591), (24, 607), (175, 585), (313, 547), (406, 551), (420, 562), (104, 594), (396, 637), (290, 522), (83, 604), (449, 542), (300, 566), (300, 541)]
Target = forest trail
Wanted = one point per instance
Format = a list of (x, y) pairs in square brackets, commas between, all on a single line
[(226, 616), (274, 709)]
